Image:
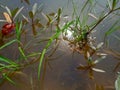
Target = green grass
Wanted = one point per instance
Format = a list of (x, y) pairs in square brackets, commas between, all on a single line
[(52, 38), (82, 31)]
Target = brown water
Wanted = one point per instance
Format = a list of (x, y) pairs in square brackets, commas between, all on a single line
[(61, 73)]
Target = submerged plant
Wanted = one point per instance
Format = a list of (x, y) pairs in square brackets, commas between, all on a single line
[(8, 66), (32, 20), (91, 63), (27, 1), (80, 37), (10, 22), (52, 38), (117, 82), (78, 34)]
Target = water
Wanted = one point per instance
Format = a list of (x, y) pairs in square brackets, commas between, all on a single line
[(61, 73)]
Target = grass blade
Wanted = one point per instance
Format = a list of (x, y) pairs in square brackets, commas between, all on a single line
[(7, 78), (117, 82), (7, 44), (8, 10), (55, 36), (33, 54), (40, 63), (109, 4), (18, 12), (6, 60), (22, 53), (18, 30), (117, 37), (84, 6), (14, 11), (34, 9), (113, 28), (114, 4)]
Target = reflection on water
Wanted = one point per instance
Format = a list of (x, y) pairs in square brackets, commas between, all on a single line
[(61, 73)]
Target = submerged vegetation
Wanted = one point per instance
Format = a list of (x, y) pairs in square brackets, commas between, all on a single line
[(24, 33)]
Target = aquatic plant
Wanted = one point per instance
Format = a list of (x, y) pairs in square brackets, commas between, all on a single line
[(117, 82), (27, 1), (80, 37), (78, 33), (52, 38), (8, 66), (32, 20)]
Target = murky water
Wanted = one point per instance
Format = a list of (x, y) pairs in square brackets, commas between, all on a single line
[(61, 73)]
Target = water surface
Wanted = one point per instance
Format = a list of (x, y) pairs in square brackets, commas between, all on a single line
[(61, 73)]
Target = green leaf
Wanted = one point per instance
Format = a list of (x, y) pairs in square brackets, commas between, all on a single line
[(59, 12), (11, 67), (117, 37), (117, 82), (34, 9), (18, 30), (113, 28), (22, 53), (109, 4), (10, 80), (31, 14), (55, 36), (27, 1), (17, 13), (14, 11), (84, 6), (58, 15), (41, 61), (114, 4), (6, 60), (7, 44), (33, 54)]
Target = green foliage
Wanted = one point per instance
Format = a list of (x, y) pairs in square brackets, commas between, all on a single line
[(18, 30), (34, 9), (113, 28), (114, 2), (17, 12), (22, 53), (117, 82), (79, 26), (13, 13), (7, 44), (5, 76), (27, 1), (31, 14), (52, 38), (7, 60)]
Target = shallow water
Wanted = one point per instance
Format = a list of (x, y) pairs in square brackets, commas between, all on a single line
[(61, 73)]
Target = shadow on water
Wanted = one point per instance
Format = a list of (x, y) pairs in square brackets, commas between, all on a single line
[(59, 70)]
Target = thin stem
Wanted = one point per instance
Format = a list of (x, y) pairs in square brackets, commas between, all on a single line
[(99, 22), (102, 20)]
